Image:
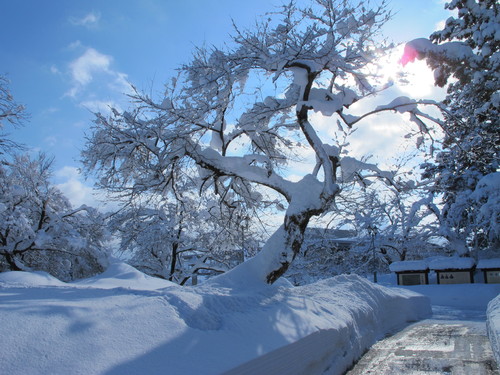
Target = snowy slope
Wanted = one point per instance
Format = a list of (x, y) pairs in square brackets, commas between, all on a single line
[(91, 327)]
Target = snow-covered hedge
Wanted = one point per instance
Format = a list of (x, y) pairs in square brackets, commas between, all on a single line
[(493, 326)]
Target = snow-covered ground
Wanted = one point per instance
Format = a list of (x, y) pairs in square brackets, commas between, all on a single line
[(124, 322)]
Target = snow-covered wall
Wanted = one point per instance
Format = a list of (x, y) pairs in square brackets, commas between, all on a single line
[(493, 326)]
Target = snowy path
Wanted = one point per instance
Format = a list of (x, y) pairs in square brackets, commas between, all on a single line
[(454, 342)]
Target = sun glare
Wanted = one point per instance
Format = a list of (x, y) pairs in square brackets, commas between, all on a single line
[(414, 78)]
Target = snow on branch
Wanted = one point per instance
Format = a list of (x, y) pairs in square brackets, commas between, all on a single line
[(422, 47), (351, 171), (236, 166)]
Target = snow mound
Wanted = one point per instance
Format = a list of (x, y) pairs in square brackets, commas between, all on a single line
[(122, 275), (493, 326), (21, 278)]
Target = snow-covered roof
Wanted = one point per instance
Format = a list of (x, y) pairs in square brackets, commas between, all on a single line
[(409, 265), (451, 263), (489, 263)]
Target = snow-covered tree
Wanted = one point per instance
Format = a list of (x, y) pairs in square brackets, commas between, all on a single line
[(404, 213), (241, 113), (11, 113), (39, 230), (406, 224), (325, 253), (177, 241), (380, 224), (466, 56)]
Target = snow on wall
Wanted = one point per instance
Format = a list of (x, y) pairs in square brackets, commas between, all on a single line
[(493, 326)]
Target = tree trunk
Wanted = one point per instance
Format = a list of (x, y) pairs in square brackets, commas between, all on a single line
[(273, 260), (294, 228), (175, 248), (11, 261)]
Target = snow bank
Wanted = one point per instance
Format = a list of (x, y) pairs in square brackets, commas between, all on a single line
[(341, 317), (493, 326), (91, 328)]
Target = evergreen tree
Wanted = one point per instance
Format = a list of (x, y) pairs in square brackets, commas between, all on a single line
[(465, 55)]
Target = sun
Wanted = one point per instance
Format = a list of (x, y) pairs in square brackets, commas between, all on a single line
[(388, 67), (414, 78)]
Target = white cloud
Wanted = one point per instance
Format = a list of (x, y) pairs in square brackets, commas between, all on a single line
[(100, 105), (80, 124), (51, 141), (54, 69), (90, 20), (75, 189), (120, 83), (91, 64), (49, 111), (74, 45), (92, 61)]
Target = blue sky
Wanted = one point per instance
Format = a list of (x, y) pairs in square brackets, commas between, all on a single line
[(66, 59)]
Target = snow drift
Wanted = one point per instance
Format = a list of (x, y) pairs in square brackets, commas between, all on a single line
[(136, 328)]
